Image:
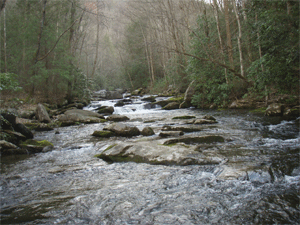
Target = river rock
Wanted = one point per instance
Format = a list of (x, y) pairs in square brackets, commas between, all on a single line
[(10, 116), (242, 104), (117, 118), (137, 91), (21, 128), (121, 129), (119, 103), (204, 121), (149, 99), (147, 131), (275, 109), (5, 124), (153, 153), (103, 134), (36, 146), (186, 129), (7, 145), (41, 114), (165, 134), (171, 106), (114, 95), (7, 148), (70, 117), (294, 112), (106, 110), (196, 140)]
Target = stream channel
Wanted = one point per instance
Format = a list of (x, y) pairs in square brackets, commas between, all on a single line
[(258, 181)]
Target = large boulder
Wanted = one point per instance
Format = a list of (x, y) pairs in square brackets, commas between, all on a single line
[(153, 153), (121, 129), (74, 116), (275, 109), (41, 114)]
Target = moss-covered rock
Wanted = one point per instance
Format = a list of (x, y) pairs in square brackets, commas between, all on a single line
[(35, 146), (103, 134), (171, 106)]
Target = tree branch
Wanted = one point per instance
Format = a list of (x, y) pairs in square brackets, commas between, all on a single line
[(60, 36)]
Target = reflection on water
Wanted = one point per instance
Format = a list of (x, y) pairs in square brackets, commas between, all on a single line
[(258, 184)]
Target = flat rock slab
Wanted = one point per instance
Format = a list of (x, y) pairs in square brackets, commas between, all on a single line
[(154, 153)]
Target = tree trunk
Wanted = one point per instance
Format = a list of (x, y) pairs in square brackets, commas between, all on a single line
[(4, 40), (262, 65), (70, 80), (2, 5), (97, 43), (39, 43), (239, 38), (228, 33), (220, 37), (248, 36), (40, 32)]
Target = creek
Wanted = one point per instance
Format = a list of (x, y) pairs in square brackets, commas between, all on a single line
[(259, 182)]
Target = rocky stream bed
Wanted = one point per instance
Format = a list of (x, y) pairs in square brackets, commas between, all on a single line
[(156, 166)]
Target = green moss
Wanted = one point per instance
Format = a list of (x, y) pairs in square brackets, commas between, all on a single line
[(102, 134), (110, 147), (43, 143), (179, 99)]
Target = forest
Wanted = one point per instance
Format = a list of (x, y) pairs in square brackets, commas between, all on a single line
[(230, 49)]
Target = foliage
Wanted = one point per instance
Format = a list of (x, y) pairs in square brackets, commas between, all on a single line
[(279, 40), (210, 82), (8, 81)]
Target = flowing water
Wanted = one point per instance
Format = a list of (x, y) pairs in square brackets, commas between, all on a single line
[(258, 184)]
